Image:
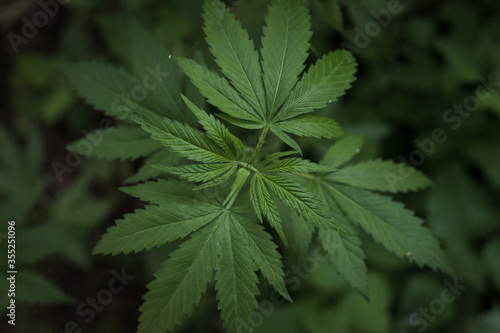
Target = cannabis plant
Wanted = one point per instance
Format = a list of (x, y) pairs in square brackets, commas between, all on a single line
[(224, 195)]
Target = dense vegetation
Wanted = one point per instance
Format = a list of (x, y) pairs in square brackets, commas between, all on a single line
[(426, 94)]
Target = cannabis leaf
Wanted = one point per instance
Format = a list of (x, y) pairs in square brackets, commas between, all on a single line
[(285, 45), (182, 139), (323, 83), (384, 176), (181, 281), (224, 240), (346, 254), (220, 94), (122, 142), (147, 55), (311, 126), (391, 225), (239, 184), (107, 88), (235, 53), (276, 97), (217, 131)]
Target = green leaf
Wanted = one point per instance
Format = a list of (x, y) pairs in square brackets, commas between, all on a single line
[(218, 91), (107, 88), (160, 75), (239, 122), (344, 249), (122, 142), (390, 224), (181, 281), (284, 49), (275, 156), (163, 156), (385, 176), (301, 201), (235, 53), (161, 191), (198, 172), (182, 139), (265, 254), (323, 83), (264, 205), (299, 232), (219, 180), (342, 151), (155, 226), (295, 164), (236, 281), (286, 139), (311, 126), (346, 254), (239, 182), (217, 131)]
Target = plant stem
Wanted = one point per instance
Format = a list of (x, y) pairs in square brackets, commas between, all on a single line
[(306, 175), (260, 143), (233, 198)]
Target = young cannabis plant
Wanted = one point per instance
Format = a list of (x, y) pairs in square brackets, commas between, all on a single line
[(270, 94)]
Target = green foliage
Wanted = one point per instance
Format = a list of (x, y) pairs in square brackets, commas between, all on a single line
[(66, 220), (124, 142), (215, 227), (285, 46)]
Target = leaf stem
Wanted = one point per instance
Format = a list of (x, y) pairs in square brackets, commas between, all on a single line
[(260, 143), (234, 196), (307, 175)]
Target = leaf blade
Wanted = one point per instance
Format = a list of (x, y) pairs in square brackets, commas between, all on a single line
[(182, 139), (218, 91), (311, 126), (155, 226), (266, 256), (235, 53), (391, 225), (264, 205), (323, 83), (180, 282), (342, 151), (346, 254), (384, 176), (235, 278), (284, 49), (300, 200), (122, 142), (217, 131)]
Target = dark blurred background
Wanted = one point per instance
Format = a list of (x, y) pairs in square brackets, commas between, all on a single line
[(425, 67)]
